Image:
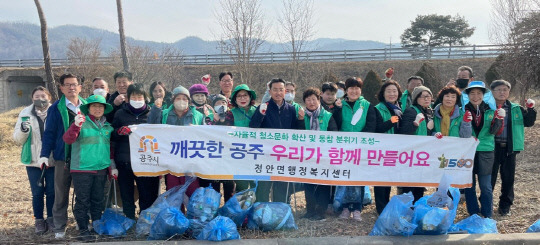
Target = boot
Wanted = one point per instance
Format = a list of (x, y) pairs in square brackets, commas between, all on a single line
[(50, 224), (41, 226)]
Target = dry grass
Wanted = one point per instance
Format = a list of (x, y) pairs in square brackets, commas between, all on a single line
[(16, 220)]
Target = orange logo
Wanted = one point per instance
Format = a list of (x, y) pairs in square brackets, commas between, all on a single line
[(148, 139)]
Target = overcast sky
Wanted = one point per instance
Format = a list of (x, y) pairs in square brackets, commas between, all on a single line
[(172, 20)]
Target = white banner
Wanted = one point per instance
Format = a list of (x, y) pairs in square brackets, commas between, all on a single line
[(319, 157)]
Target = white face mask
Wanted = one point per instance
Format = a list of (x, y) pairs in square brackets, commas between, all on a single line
[(137, 104), (220, 109), (340, 94), (181, 105), (289, 97), (100, 91)]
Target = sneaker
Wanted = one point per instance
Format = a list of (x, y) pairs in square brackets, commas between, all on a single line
[(317, 217), (356, 215), (504, 211), (41, 226), (50, 224), (59, 235), (345, 214)]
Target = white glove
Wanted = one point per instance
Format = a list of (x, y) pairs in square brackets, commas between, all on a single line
[(43, 160), (419, 118), (79, 119), (114, 173), (262, 108), (530, 103), (500, 113), (430, 125)]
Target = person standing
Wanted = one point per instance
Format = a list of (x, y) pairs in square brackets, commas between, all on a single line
[(406, 97), (134, 112), (388, 118), (485, 124), (418, 120), (358, 115), (101, 87), (89, 135), (509, 142), (28, 133), (276, 113), (122, 80), (59, 116), (448, 118), (226, 85), (318, 119)]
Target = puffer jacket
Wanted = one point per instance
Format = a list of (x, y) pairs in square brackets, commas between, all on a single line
[(20, 137)]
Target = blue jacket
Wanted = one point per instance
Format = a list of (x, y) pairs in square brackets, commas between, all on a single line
[(284, 117), (54, 130)]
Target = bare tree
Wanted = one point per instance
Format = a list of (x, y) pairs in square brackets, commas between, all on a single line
[(51, 84), (125, 60), (243, 31), (83, 56), (297, 28), (516, 24)]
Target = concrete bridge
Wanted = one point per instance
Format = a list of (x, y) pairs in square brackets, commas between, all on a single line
[(16, 86)]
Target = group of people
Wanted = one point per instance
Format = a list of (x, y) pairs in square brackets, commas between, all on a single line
[(85, 141)]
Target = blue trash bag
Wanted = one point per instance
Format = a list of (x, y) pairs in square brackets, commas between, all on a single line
[(169, 222), (347, 195), (113, 223), (202, 208), (203, 204), (396, 218), (434, 214), (219, 229), (475, 224), (367, 196), (237, 208), (171, 198), (534, 227), (269, 216)]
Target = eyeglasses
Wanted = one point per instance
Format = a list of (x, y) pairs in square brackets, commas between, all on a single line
[(242, 96), (426, 97), (70, 85), (227, 81), (501, 90)]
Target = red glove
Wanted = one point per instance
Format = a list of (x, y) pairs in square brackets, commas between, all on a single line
[(124, 130), (389, 72), (467, 117), (438, 135)]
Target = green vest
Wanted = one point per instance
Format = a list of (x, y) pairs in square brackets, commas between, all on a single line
[(404, 100), (518, 128), (92, 150), (422, 128), (197, 116), (347, 113), (241, 118), (454, 124), (324, 118), (487, 140), (62, 108), (386, 115)]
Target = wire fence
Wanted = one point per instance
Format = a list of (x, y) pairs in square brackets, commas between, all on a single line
[(394, 53)]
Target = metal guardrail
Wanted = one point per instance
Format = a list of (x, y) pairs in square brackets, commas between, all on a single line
[(423, 53)]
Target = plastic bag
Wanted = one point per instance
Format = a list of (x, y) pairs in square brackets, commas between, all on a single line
[(396, 218), (171, 198), (534, 227), (348, 194), (237, 208), (269, 216), (219, 229), (434, 214), (367, 196), (202, 208), (113, 223), (169, 222), (475, 224)]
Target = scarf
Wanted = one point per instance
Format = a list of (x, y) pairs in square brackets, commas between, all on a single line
[(42, 114), (395, 108), (314, 119), (136, 111), (445, 122)]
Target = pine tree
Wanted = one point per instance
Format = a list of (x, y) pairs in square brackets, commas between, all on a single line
[(371, 87), (432, 78)]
